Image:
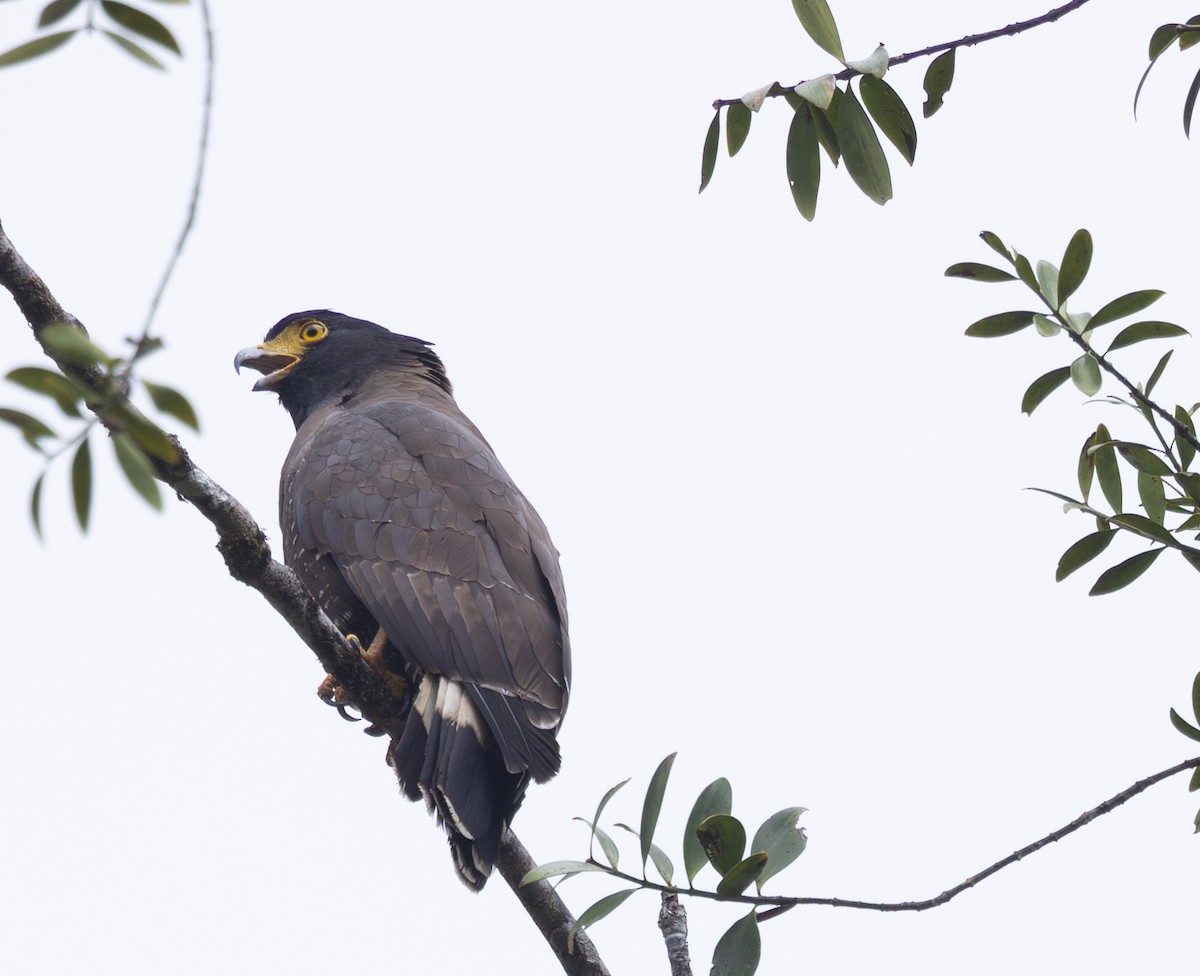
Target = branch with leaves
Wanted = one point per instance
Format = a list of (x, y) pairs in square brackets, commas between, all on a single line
[(830, 117), (1166, 483), (89, 375), (714, 837)]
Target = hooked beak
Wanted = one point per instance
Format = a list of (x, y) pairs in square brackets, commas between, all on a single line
[(274, 364)]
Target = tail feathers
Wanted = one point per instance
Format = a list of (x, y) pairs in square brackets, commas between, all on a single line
[(445, 755)]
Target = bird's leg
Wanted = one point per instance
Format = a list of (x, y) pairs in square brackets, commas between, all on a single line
[(332, 693)]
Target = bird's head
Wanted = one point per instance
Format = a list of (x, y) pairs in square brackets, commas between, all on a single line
[(310, 358)]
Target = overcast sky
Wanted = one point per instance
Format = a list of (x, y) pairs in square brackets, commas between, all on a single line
[(787, 490)]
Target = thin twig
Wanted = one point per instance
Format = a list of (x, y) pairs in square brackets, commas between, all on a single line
[(919, 906), (970, 40), (197, 179), (243, 544)]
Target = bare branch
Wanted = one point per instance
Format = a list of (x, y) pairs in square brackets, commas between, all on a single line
[(243, 544), (970, 40), (548, 912), (672, 920)]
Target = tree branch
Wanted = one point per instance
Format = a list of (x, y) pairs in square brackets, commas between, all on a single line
[(970, 40), (783, 901), (672, 920), (243, 544)]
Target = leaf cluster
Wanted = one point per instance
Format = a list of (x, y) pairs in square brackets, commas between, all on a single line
[(1167, 487), (125, 24), (712, 837), (844, 124), (1162, 40), (136, 441)]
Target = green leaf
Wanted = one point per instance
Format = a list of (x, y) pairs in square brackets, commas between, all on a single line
[(1184, 726), (1185, 450), (1086, 466), (71, 344), (1129, 304), (36, 48), (55, 11), (141, 23), (653, 804), (1042, 387), (1082, 552), (553, 869), (1047, 279), (1160, 40), (997, 245), (724, 841), (1190, 38), (1141, 331), (827, 132), (170, 401), (1140, 525), (1196, 696), (1085, 374), (31, 428), (978, 272), (662, 863), (1046, 326), (864, 157), (136, 50), (890, 115), (781, 840), (1153, 496), (740, 948), (35, 504), (49, 383), (1158, 371), (803, 162), (716, 798), (817, 20), (1189, 105), (81, 483), (604, 907), (146, 434), (742, 875), (708, 158), (1075, 264), (1107, 469), (938, 78), (737, 126), (1124, 573), (1002, 324), (1025, 273), (611, 852), (600, 809), (1143, 458), (1189, 481), (137, 469)]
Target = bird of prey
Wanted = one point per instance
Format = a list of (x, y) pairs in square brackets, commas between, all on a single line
[(405, 528)]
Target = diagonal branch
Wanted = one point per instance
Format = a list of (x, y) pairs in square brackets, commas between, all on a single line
[(970, 40), (243, 544)]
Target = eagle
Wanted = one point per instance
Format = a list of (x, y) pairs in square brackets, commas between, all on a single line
[(405, 528)]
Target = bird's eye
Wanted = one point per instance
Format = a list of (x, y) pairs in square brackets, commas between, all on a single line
[(313, 331)]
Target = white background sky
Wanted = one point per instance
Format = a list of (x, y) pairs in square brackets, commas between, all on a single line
[(787, 491)]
